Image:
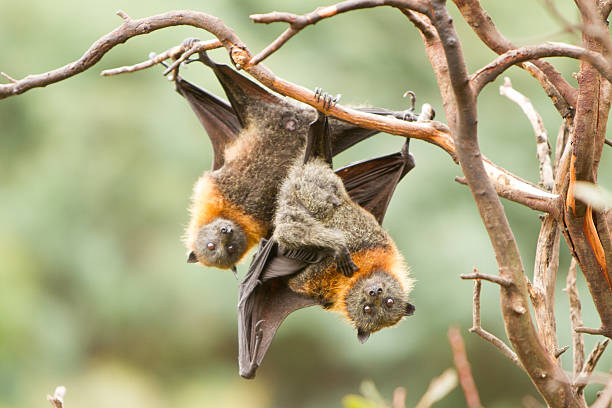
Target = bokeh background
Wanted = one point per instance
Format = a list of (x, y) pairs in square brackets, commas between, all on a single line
[(95, 179)]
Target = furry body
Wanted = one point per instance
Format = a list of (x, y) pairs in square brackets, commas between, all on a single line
[(314, 211)]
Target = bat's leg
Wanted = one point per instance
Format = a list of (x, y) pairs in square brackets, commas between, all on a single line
[(328, 100), (345, 264)]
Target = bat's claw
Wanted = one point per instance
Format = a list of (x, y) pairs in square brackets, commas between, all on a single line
[(345, 264), (328, 100), (235, 270)]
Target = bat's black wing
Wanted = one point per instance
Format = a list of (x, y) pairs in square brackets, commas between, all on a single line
[(371, 183), (264, 301), (217, 116)]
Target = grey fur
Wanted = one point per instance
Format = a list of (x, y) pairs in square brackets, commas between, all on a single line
[(314, 210), (220, 242)]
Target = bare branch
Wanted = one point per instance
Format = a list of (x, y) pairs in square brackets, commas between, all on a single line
[(175, 53), (583, 378), (491, 71), (543, 369), (491, 278), (463, 368), (542, 290), (7, 76), (608, 142), (589, 330), (477, 328), (562, 94), (575, 318), (605, 397), (298, 22), (561, 144), (130, 28), (438, 388), (399, 398), (560, 351), (543, 147)]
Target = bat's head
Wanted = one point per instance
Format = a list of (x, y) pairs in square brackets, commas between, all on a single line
[(376, 301), (220, 243)]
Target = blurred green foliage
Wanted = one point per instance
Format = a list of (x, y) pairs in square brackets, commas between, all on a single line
[(96, 174)]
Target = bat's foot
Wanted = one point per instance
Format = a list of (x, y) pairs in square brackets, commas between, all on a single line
[(327, 99), (345, 264)]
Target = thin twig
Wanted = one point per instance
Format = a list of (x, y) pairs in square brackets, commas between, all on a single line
[(575, 319), (298, 22), (491, 278), (605, 397), (560, 351), (438, 388), (495, 68), (589, 330), (583, 378), (477, 328), (608, 142), (463, 368), (7, 76), (399, 398), (561, 93), (173, 52), (543, 147)]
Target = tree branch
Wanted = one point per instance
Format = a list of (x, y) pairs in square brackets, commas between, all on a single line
[(491, 71), (575, 319), (298, 22), (463, 368), (585, 374), (562, 94), (542, 367), (543, 147), (477, 328)]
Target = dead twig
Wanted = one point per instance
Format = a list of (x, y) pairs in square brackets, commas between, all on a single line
[(298, 22), (438, 388), (583, 378), (543, 147), (177, 52), (491, 278), (575, 319), (491, 71), (477, 328), (463, 368)]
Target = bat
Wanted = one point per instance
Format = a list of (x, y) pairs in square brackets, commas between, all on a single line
[(327, 249), (255, 139)]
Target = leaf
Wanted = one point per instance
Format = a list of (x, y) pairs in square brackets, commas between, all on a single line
[(357, 401), (438, 388)]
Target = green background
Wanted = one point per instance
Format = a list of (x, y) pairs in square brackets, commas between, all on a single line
[(96, 175)]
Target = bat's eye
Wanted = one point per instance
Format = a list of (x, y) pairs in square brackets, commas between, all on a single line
[(230, 249), (389, 302), (211, 246), (367, 309)]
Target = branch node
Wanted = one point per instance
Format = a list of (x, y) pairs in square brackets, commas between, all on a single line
[(561, 351), (589, 330), (7, 76), (506, 283), (124, 16)]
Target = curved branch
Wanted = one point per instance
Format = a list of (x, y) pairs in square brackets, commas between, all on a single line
[(298, 22), (562, 94), (130, 28), (491, 71)]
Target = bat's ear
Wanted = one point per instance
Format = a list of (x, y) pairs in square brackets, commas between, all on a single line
[(192, 258), (409, 309), (362, 335)]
